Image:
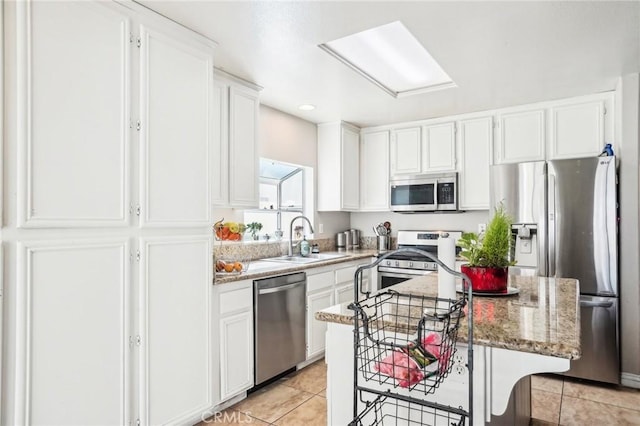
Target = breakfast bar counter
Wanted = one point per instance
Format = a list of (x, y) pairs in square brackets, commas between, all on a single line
[(534, 329)]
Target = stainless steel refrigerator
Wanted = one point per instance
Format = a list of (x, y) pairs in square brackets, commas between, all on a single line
[(565, 225)]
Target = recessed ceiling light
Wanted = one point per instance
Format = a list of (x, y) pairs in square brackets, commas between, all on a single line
[(307, 107), (392, 58)]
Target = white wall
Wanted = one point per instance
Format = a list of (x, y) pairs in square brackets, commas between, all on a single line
[(290, 139), (627, 133)]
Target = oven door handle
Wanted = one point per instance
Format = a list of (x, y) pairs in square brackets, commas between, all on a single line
[(386, 272)]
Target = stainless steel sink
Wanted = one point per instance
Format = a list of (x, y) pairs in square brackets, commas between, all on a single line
[(314, 257)]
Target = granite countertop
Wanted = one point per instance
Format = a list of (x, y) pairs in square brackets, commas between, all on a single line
[(543, 318), (263, 268)]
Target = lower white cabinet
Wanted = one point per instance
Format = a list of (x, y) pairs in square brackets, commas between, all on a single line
[(316, 330), (235, 307), (344, 293), (176, 343), (71, 351)]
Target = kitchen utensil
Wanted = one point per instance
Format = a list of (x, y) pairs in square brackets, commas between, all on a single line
[(387, 225), (382, 230), (375, 230), (384, 243)]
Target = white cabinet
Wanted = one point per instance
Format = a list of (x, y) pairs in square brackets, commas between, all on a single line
[(338, 146), (72, 329), (476, 137), (521, 136), (176, 312), (73, 82), (439, 148), (577, 129), (316, 333), (406, 148), (235, 307), (176, 95), (235, 142), (113, 129), (424, 149), (320, 296), (344, 294), (374, 171)]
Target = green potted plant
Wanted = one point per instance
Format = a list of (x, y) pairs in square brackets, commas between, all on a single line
[(488, 255), (253, 228)]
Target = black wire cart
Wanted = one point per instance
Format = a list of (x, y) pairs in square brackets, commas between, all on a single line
[(404, 348)]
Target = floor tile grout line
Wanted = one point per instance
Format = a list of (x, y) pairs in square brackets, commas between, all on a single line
[(297, 406)]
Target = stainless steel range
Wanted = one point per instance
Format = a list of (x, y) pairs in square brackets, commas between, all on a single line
[(401, 267)]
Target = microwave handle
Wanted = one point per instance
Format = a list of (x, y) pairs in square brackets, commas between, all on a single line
[(435, 194)]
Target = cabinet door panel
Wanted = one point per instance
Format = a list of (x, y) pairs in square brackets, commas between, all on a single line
[(243, 154), (220, 145), (176, 132), (176, 309), (522, 136), (406, 151), (316, 330), (73, 115), (475, 142), (72, 330), (577, 130), (236, 354), (374, 172), (350, 169), (439, 153)]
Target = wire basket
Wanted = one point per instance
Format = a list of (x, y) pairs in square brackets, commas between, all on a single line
[(405, 340), (389, 411)]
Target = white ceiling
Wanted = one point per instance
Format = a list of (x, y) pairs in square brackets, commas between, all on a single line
[(498, 53)]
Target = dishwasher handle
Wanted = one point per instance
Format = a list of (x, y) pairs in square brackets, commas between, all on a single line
[(280, 288)]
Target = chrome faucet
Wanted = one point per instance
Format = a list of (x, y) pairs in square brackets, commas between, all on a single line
[(291, 232)]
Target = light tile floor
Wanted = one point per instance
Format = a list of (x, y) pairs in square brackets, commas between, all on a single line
[(300, 399)]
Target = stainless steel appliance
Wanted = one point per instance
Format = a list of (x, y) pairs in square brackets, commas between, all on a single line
[(424, 193), (565, 225), (355, 238), (401, 267), (279, 324)]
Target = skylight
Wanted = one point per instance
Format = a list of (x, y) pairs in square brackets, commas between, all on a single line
[(392, 58)]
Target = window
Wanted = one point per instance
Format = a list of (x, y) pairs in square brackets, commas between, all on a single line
[(282, 197)]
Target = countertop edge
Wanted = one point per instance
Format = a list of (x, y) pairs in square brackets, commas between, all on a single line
[(284, 268)]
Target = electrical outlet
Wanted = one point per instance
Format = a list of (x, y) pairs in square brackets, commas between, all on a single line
[(321, 228), (482, 227)]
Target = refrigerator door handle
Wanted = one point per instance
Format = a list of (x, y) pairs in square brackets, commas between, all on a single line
[(589, 304), (552, 222)]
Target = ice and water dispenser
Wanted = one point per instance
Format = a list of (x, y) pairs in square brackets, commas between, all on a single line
[(524, 248)]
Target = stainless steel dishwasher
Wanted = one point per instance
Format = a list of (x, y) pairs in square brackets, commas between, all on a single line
[(279, 324)]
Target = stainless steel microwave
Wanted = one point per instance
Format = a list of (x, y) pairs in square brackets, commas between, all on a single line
[(424, 193)]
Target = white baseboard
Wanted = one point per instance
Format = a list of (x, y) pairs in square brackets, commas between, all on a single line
[(630, 380)]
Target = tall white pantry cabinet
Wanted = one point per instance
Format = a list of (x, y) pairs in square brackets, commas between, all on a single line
[(106, 229)]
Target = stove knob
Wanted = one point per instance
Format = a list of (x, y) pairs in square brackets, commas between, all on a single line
[(410, 264), (388, 263), (397, 264)]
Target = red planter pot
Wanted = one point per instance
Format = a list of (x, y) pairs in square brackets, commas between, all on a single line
[(487, 280)]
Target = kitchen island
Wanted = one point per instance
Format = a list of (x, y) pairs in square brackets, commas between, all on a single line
[(534, 331)]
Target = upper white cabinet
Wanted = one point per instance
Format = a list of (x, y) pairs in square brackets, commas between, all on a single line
[(176, 127), (424, 149), (73, 115), (235, 142), (439, 148), (374, 171), (406, 148), (476, 136), (521, 136), (338, 146), (578, 128)]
